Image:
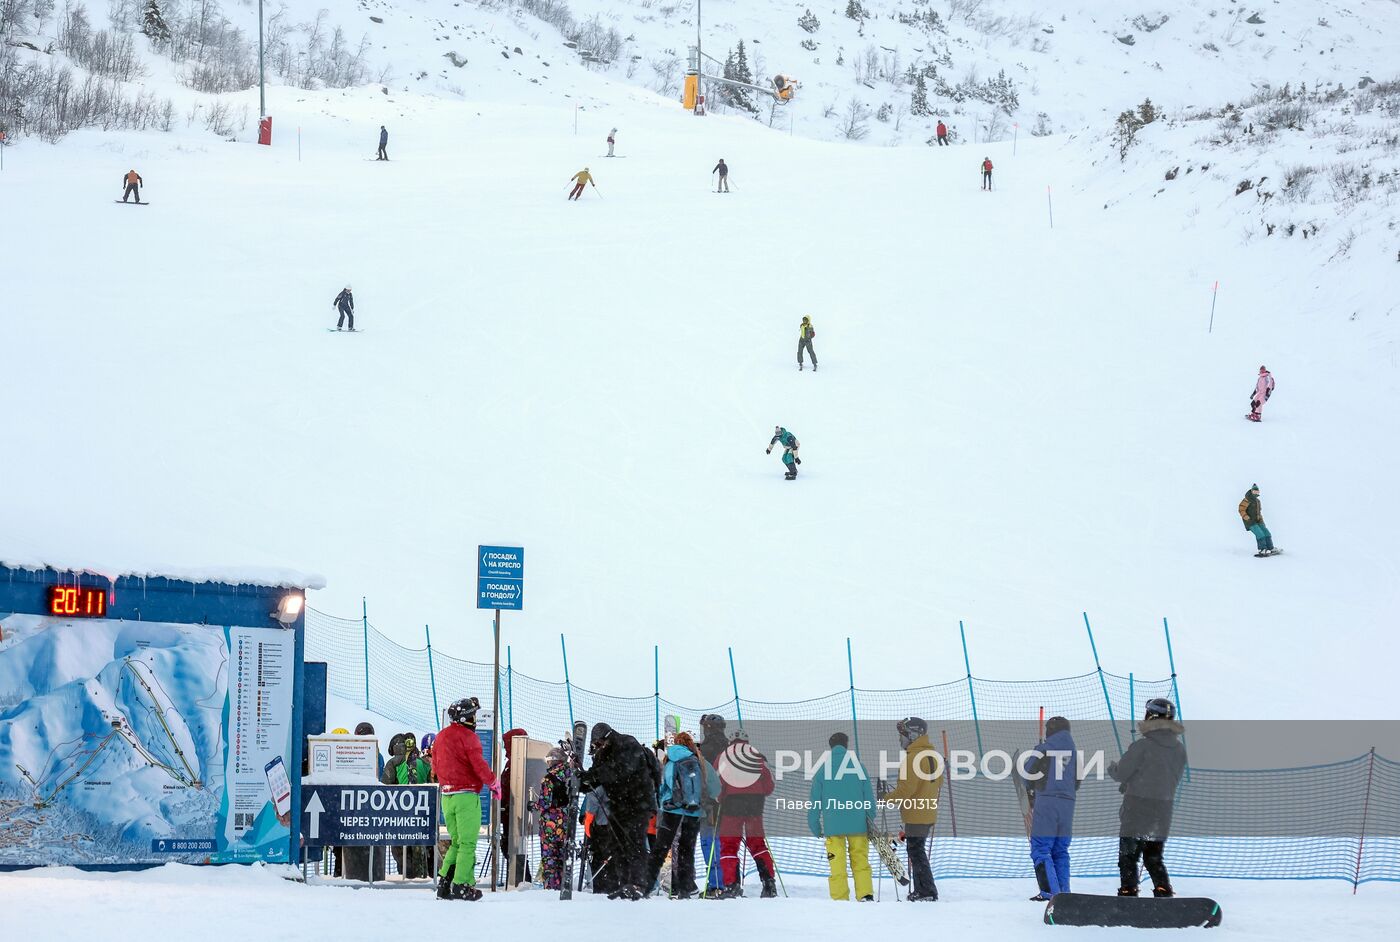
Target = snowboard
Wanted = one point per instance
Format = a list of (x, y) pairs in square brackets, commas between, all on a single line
[(125, 203), (670, 726), (886, 849), (1081, 909), (1024, 795), (573, 748), (348, 330)]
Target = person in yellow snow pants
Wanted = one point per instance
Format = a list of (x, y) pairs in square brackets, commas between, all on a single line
[(856, 848)]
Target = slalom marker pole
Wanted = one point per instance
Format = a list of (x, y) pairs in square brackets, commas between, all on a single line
[(1213, 292)]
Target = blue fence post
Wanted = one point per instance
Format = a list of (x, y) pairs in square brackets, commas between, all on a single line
[(510, 691), (1103, 683), (432, 677), (962, 632), (364, 623), (1132, 698), (656, 683), (851, 675), (568, 691), (1176, 693), (734, 679)]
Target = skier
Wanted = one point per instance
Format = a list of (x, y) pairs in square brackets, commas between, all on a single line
[(805, 333), (839, 812), (345, 303), (463, 772), (942, 132), (790, 445), (631, 776), (722, 169), (553, 808), (408, 767), (686, 779), (1052, 812), (133, 183), (1148, 775), (986, 173), (383, 143), (1263, 389), (612, 140), (713, 742), (581, 179), (915, 796), (1253, 516), (746, 784)]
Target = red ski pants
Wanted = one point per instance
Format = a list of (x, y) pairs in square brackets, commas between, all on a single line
[(751, 829), (578, 190)]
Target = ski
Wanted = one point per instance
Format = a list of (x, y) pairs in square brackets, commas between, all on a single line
[(1081, 909), (573, 748), (671, 725), (885, 848)]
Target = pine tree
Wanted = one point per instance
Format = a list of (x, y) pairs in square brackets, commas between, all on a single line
[(736, 68), (153, 23), (918, 100), (854, 11)]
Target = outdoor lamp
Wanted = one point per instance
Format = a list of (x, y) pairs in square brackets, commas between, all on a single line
[(288, 610)]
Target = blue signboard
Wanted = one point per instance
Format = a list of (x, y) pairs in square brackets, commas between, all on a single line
[(369, 815), (500, 577)]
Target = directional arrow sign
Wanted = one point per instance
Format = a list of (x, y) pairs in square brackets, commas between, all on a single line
[(500, 577), (314, 808)]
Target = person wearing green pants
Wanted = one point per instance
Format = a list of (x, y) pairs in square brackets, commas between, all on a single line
[(462, 772)]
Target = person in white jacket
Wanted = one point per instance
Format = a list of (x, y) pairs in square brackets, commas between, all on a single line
[(1263, 389), (612, 140)]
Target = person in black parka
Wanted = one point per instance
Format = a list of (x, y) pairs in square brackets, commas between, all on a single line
[(631, 775), (1148, 775)]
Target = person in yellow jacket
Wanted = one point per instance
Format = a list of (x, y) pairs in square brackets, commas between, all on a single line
[(581, 179), (915, 797), (805, 333)]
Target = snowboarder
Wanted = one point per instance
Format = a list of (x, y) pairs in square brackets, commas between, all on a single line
[(713, 742), (986, 173), (345, 304), (383, 143), (746, 784), (915, 797), (133, 183), (462, 772), (1263, 389), (686, 779), (790, 445), (841, 807), (722, 169), (805, 333), (1253, 517), (553, 808), (581, 179), (942, 132), (631, 776), (1148, 775), (1052, 809), (612, 141)]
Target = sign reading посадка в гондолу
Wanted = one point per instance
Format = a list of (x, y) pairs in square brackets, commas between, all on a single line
[(500, 577)]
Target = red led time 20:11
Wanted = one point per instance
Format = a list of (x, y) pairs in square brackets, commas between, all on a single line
[(77, 601)]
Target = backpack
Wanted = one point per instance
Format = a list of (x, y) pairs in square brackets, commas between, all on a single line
[(687, 785)]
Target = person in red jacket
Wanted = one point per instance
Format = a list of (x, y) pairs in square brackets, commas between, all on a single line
[(745, 783), (462, 772), (986, 173), (942, 131)]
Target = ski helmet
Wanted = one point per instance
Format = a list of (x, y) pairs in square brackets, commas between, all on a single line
[(340, 731), (427, 742), (464, 711), (364, 729), (910, 729), (598, 737), (1056, 724), (1160, 707), (395, 744)]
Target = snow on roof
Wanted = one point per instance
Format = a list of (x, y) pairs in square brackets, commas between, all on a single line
[(270, 576)]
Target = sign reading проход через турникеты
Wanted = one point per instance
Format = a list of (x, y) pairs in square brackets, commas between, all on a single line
[(500, 577)]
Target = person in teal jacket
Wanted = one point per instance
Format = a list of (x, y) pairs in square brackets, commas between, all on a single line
[(842, 804), (678, 814), (782, 436)]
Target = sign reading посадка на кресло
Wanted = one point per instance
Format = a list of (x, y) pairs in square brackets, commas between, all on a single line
[(500, 577)]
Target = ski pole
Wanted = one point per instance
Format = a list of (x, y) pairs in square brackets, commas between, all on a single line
[(774, 861), (595, 190)]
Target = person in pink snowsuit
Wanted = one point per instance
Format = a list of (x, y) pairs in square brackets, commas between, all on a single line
[(1263, 389)]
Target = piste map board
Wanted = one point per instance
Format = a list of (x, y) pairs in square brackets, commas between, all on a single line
[(127, 742)]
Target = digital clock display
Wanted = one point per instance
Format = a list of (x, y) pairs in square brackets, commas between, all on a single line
[(77, 602)]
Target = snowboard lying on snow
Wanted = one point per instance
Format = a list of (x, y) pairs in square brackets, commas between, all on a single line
[(1081, 909)]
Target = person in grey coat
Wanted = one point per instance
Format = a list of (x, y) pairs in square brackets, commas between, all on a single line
[(1148, 775), (383, 143)]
